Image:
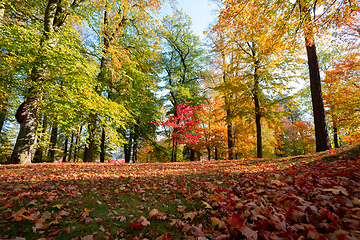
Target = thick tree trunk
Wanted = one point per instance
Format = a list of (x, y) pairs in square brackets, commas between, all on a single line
[(90, 142), (192, 155), (2, 11), (25, 141), (216, 153), (2, 117), (336, 139), (55, 17), (53, 141), (38, 156), (321, 133), (65, 148), (102, 146)]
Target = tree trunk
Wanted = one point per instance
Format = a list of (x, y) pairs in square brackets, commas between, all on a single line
[(54, 19), (192, 155), (102, 146), (71, 145), (90, 142), (336, 140), (2, 11), (38, 156), (25, 141), (53, 141), (134, 154), (173, 152), (321, 133), (65, 148), (209, 153), (2, 117), (128, 148), (76, 152), (259, 152), (230, 135), (216, 154)]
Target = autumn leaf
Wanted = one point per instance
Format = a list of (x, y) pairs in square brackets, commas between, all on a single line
[(181, 208), (236, 220), (19, 215), (189, 215)]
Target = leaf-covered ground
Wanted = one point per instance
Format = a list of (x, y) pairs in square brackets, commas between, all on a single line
[(307, 197)]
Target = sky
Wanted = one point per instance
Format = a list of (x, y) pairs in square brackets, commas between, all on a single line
[(201, 13)]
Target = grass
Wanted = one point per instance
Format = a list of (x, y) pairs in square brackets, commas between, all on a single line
[(214, 200)]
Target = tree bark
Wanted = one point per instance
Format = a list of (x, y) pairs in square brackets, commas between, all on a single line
[(192, 155), (173, 152), (128, 148), (2, 117), (53, 141), (55, 17), (71, 145), (336, 140), (259, 152), (102, 146), (38, 157), (65, 148), (25, 141), (209, 153), (216, 153), (76, 152), (90, 142), (2, 11), (321, 133)]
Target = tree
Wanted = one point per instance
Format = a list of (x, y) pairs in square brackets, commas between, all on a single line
[(182, 127), (182, 63), (342, 94), (258, 72)]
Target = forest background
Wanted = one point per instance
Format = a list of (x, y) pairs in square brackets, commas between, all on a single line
[(96, 80)]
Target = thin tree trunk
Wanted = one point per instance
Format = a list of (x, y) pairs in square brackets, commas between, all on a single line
[(209, 153), (128, 148), (216, 153), (76, 152), (336, 140), (71, 145), (102, 146), (173, 152), (65, 148), (134, 155), (259, 152), (53, 141)]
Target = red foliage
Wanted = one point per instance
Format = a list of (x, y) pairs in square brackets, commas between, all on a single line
[(183, 125)]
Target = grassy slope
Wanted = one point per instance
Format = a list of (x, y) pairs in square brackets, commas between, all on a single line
[(312, 197)]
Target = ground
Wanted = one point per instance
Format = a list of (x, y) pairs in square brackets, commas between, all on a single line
[(304, 197)]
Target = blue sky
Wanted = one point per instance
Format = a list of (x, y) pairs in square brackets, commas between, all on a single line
[(201, 13)]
